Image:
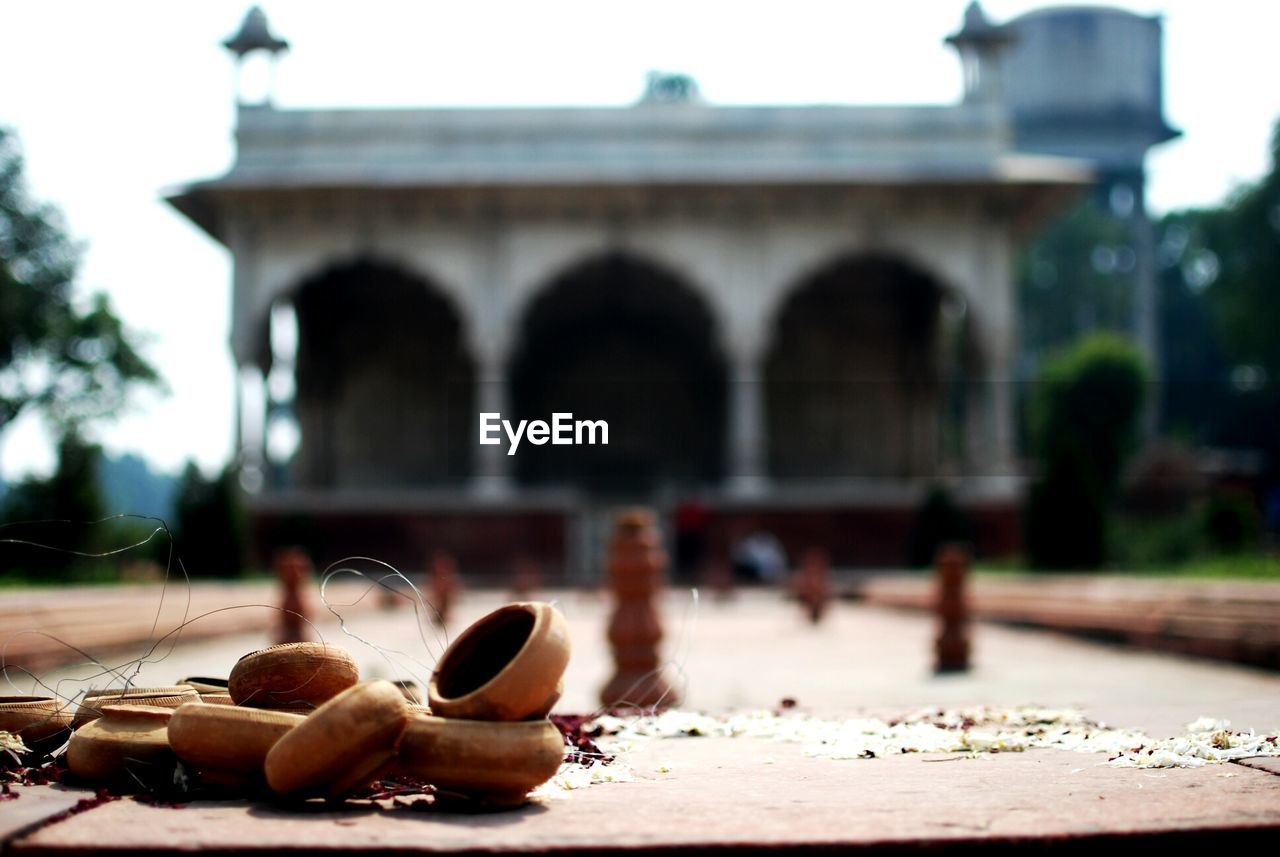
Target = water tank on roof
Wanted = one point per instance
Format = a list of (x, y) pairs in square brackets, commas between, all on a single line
[(1087, 81)]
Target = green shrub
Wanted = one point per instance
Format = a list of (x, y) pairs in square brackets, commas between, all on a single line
[(1144, 542), (938, 521), (1232, 524), (1083, 413), (210, 531)]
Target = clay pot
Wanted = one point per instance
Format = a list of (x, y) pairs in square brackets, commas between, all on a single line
[(126, 738), (204, 684), (224, 739), (497, 763), (506, 666), (42, 722), (154, 697), (342, 745), (292, 675)]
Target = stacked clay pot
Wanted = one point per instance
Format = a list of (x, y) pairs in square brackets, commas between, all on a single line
[(96, 700), (296, 718), (121, 743), (227, 738), (292, 676), (343, 745), (42, 722), (488, 737), (226, 745)]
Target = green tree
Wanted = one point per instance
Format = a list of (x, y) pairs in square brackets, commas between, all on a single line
[(210, 532), (73, 362), (1232, 256), (59, 512), (1083, 412), (1077, 276)]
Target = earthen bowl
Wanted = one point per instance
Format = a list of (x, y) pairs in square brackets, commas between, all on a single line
[(42, 722), (227, 738), (507, 666), (340, 746), (292, 676), (125, 739), (494, 763)]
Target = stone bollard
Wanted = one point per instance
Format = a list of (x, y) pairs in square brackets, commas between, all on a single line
[(812, 585), (951, 568), (526, 578), (636, 567), (293, 569), (444, 586)]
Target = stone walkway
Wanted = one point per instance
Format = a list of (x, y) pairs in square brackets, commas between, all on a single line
[(757, 649), (750, 653)]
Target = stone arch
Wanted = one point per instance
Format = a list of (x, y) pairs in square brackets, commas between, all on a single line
[(853, 380), (620, 338), (384, 380)]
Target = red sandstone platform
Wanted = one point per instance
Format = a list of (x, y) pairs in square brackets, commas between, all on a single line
[(748, 794)]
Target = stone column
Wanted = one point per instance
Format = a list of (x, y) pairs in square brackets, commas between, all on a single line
[(747, 440), (251, 426), (492, 477), (990, 418)]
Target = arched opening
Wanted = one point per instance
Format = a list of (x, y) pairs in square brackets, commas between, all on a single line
[(384, 384), (621, 340), (852, 379)]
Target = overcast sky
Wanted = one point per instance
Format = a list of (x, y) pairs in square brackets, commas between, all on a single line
[(116, 101)]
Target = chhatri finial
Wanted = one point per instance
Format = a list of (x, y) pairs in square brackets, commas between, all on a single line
[(980, 44), (255, 38)]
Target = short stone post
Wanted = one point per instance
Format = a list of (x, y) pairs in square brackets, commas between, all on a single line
[(293, 570), (951, 570), (812, 584), (444, 586), (636, 567)]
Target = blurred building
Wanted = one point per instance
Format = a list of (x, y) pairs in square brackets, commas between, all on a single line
[(801, 316)]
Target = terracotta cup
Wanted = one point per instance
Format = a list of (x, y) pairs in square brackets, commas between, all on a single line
[(42, 722), (218, 740), (342, 745), (292, 675), (506, 666), (126, 738), (495, 763)]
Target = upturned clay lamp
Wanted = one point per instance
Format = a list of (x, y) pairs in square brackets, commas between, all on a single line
[(493, 763), (296, 676), (95, 701), (42, 722), (227, 745), (126, 740), (507, 666), (340, 746)]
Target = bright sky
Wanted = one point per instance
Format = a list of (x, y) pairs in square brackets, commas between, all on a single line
[(116, 101)]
